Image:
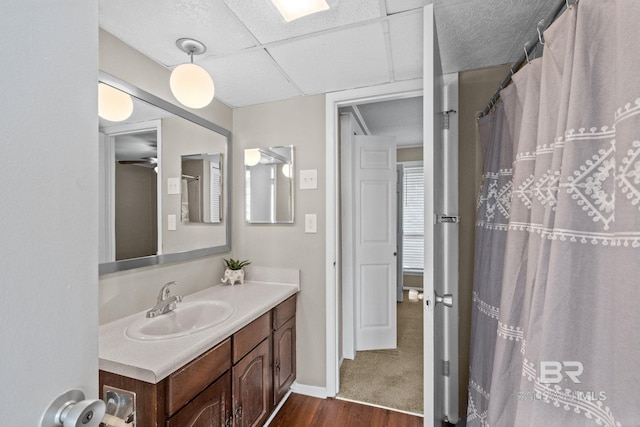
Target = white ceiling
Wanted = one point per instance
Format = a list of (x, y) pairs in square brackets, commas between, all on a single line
[(254, 56)]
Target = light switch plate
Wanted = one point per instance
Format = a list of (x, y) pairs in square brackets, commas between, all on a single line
[(171, 222), (173, 185), (311, 223), (309, 179)]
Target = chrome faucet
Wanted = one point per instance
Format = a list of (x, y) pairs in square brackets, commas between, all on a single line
[(166, 302)]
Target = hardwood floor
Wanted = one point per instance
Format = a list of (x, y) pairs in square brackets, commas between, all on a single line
[(305, 411)]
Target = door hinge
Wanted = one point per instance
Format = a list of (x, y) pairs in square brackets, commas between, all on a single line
[(449, 219), (446, 117), (446, 368)]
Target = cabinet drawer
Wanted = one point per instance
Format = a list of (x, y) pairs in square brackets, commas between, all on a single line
[(212, 407), (184, 384), (250, 336), (284, 311)]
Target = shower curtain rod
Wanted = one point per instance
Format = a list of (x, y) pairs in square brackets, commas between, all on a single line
[(542, 25), (190, 177)]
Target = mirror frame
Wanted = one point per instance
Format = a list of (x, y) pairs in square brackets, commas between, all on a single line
[(128, 264)]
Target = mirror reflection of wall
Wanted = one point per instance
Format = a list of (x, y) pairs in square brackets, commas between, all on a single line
[(201, 188), (269, 185)]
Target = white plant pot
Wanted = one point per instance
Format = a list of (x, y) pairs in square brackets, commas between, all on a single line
[(233, 276)]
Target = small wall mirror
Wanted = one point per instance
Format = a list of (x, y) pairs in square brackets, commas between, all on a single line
[(201, 188), (269, 185)]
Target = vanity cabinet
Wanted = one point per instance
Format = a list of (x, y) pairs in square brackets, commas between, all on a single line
[(284, 348), (236, 383)]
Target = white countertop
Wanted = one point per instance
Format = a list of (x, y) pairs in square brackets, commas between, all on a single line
[(152, 361)]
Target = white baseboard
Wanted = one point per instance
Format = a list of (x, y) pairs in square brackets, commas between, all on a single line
[(309, 390), (277, 409)]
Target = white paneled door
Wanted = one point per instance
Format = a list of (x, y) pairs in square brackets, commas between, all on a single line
[(440, 268), (375, 242)]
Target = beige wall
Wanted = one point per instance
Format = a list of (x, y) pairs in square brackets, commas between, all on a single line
[(128, 292), (410, 154), (299, 122), (475, 89), (136, 216)]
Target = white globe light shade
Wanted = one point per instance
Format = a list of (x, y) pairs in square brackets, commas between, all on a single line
[(113, 104), (192, 85), (286, 170), (252, 157)]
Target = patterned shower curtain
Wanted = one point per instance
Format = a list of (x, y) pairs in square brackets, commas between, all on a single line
[(556, 313)]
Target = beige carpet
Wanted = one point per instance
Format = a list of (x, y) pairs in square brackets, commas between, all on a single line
[(391, 378)]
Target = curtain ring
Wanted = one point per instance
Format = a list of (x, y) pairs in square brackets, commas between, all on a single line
[(526, 54), (540, 38)]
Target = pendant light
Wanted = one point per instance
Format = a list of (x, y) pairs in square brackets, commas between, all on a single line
[(113, 104), (190, 83)]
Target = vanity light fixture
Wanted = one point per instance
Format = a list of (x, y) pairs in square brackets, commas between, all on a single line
[(113, 104), (252, 156), (190, 83), (294, 9)]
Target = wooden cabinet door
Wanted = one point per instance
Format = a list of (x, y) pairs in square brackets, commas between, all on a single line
[(252, 387), (284, 359), (212, 407)]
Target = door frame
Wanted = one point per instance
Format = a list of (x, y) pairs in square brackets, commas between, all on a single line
[(333, 101)]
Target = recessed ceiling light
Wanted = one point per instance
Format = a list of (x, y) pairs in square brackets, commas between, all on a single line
[(294, 9)]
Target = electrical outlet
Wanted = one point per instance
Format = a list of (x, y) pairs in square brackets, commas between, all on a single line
[(171, 222)]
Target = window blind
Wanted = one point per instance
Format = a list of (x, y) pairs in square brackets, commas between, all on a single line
[(413, 219)]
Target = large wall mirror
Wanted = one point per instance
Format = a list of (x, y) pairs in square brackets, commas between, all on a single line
[(147, 162), (269, 185)]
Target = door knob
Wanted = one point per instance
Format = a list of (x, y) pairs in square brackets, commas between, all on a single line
[(71, 410), (446, 300)]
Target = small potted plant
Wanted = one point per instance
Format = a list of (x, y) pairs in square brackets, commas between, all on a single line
[(234, 271)]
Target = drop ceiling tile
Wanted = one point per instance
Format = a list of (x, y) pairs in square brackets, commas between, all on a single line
[(333, 61), (396, 6), (406, 34), (153, 26), (265, 22), (248, 78)]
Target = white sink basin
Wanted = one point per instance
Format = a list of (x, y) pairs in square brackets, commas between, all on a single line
[(188, 318)]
